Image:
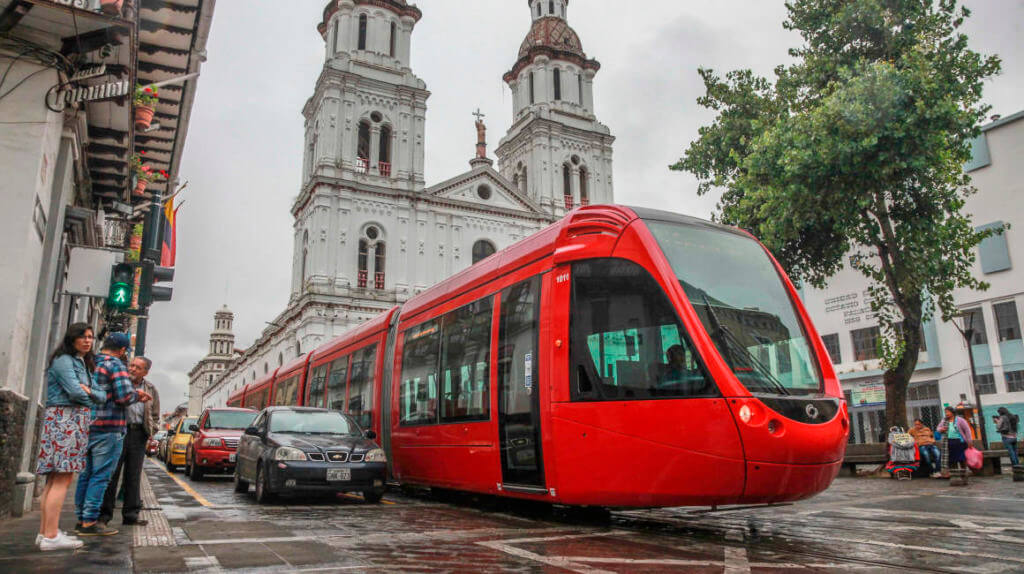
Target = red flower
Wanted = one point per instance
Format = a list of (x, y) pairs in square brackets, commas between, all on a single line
[(142, 152), (149, 90)]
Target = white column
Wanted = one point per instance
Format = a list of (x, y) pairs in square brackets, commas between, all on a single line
[(574, 184), (588, 90), (374, 146), (543, 92), (514, 86), (405, 40), (343, 43)]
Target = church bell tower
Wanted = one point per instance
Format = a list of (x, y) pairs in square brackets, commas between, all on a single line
[(556, 152)]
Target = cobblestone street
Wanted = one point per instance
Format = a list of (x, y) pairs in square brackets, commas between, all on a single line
[(858, 525)]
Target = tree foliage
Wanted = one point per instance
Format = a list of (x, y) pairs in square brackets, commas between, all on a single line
[(854, 155)]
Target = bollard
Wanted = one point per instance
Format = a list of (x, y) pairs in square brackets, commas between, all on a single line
[(1018, 473), (958, 477)]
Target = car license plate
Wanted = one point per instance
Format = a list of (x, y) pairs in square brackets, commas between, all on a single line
[(339, 474), (231, 457)]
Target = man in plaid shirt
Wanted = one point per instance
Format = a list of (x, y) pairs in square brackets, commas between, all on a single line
[(106, 435)]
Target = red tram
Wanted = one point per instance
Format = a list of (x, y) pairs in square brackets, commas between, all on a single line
[(622, 357)]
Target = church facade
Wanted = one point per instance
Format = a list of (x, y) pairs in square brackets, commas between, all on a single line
[(368, 232)]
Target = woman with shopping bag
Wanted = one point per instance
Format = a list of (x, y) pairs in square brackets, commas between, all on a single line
[(959, 435)]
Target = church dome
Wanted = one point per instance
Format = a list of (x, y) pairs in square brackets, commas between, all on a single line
[(553, 33)]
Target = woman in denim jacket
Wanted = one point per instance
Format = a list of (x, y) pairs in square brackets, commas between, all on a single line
[(62, 444)]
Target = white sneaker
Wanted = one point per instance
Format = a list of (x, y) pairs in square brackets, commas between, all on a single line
[(39, 537), (60, 542)]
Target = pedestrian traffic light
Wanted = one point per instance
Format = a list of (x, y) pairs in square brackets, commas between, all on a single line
[(150, 293), (122, 281)]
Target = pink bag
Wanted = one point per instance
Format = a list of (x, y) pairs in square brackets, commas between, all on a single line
[(975, 460)]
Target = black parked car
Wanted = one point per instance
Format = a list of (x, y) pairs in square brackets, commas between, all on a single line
[(300, 449)]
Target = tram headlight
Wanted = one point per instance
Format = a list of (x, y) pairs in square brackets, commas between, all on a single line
[(376, 455), (745, 414), (288, 453)]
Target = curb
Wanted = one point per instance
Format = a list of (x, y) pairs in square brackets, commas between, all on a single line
[(158, 531)]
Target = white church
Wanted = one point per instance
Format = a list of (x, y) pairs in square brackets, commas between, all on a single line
[(369, 233)]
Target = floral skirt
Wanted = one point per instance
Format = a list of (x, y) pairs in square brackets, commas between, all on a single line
[(64, 440)]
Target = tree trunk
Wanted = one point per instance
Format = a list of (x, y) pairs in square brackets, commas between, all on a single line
[(897, 379)]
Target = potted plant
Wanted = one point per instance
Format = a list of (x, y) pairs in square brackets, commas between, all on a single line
[(111, 6), (145, 105), (144, 174)]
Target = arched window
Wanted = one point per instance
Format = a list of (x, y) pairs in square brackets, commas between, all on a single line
[(298, 348), (566, 180), (394, 39), (584, 193), (539, 9), (558, 83), (364, 263), (379, 261), (305, 255), (579, 81), (551, 7), (384, 158), (526, 183), (363, 148), (280, 359), (482, 249), (334, 37), (362, 32), (266, 368), (532, 97)]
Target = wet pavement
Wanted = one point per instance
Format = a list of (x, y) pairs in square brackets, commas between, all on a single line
[(858, 525)]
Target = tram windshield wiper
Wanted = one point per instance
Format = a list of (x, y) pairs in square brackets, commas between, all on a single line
[(731, 346)]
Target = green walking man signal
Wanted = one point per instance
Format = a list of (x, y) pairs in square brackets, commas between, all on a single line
[(122, 284)]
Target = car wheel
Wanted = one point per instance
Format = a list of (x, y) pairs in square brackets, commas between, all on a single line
[(171, 468), (195, 472), (263, 494), (372, 496), (241, 486)]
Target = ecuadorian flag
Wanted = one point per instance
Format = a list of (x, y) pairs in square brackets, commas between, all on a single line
[(169, 247)]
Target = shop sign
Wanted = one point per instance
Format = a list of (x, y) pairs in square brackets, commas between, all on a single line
[(108, 91), (89, 72), (868, 394)]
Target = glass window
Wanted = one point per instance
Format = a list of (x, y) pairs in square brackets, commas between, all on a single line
[(418, 393), (832, 346), (626, 341), (482, 250), (465, 362), (394, 37), (286, 392), (531, 80), (229, 419), (336, 384), (865, 343), (186, 423), (928, 390), (986, 384), (557, 78), (743, 304), (1007, 321), (1014, 381), (360, 386), (976, 319), (317, 387), (313, 422), (362, 32)]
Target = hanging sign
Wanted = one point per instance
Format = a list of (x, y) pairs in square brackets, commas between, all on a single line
[(867, 394), (58, 100), (88, 72)]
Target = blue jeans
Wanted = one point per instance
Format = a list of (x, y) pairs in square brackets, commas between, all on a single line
[(100, 460), (932, 456), (1011, 445)]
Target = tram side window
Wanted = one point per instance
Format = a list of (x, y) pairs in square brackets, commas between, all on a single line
[(418, 393), (317, 387), (360, 388), (262, 398), (465, 360), (287, 392), (626, 340), (336, 384)]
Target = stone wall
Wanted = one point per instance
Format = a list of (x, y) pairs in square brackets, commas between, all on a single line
[(13, 408)]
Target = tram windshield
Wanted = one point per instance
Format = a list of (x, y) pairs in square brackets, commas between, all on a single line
[(742, 302)]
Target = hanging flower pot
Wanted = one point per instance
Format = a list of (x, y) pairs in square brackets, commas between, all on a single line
[(111, 6), (145, 105), (140, 187)]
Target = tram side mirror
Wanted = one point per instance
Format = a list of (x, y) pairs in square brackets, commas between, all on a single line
[(370, 434), (193, 427), (252, 431)]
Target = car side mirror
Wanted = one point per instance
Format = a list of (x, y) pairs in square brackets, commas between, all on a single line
[(193, 428), (253, 431), (370, 434)]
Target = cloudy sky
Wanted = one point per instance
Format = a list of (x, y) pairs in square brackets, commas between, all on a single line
[(244, 150)]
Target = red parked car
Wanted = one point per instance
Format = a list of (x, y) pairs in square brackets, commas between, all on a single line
[(215, 440)]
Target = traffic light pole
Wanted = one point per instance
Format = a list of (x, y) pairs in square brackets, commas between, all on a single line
[(150, 252)]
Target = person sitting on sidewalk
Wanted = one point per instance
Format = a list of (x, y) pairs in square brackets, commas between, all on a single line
[(926, 446), (106, 433)]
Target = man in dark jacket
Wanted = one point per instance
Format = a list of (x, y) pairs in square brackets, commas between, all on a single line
[(1006, 425), (143, 420), (106, 434)]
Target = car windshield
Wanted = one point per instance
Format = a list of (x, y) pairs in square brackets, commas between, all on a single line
[(743, 304), (183, 429), (314, 422), (230, 419)]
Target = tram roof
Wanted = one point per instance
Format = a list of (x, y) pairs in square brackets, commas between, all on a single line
[(292, 365), (368, 329)]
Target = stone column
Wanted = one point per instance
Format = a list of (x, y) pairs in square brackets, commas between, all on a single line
[(574, 183), (374, 146), (588, 90)]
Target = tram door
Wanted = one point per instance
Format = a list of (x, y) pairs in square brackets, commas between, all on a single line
[(518, 387)]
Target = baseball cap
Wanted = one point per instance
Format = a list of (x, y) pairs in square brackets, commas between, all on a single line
[(117, 341)]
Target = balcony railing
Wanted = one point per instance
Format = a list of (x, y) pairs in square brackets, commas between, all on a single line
[(568, 202), (384, 168), (378, 280), (362, 165), (362, 279)]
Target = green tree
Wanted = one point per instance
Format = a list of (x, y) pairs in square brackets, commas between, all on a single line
[(858, 149)]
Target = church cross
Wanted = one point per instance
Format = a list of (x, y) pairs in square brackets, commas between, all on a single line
[(479, 116)]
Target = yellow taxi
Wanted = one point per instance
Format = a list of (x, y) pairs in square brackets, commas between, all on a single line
[(177, 443)]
